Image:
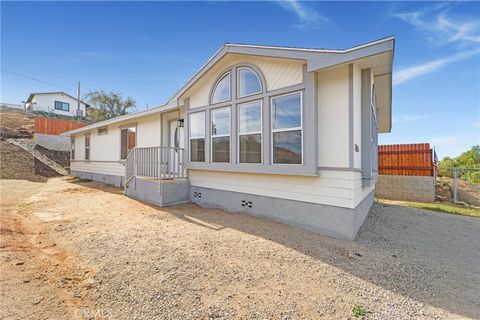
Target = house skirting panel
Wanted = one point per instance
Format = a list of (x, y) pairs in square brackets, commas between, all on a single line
[(338, 222), (159, 192), (105, 178)]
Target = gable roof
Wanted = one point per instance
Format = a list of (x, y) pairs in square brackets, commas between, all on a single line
[(316, 59), (30, 97)]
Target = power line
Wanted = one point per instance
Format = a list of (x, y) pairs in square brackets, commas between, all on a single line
[(36, 79)]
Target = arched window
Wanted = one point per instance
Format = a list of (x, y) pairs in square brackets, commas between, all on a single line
[(222, 89), (248, 82)]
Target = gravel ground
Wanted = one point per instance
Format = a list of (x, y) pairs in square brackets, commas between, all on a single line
[(102, 255)]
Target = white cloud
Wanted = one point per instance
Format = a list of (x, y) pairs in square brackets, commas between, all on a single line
[(308, 18), (431, 66), (442, 28)]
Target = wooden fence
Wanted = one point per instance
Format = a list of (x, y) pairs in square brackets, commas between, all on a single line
[(55, 126), (405, 159)]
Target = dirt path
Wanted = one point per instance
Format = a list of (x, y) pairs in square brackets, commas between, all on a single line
[(39, 279), (88, 250)]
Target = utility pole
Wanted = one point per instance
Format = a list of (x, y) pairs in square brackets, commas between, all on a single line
[(78, 99)]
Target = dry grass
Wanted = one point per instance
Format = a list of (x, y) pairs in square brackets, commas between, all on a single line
[(438, 207)]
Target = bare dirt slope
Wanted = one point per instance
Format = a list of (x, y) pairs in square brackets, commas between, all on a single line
[(467, 191), (16, 163), (87, 247), (15, 123)]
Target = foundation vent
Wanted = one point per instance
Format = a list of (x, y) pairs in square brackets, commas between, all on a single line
[(197, 194), (247, 204)]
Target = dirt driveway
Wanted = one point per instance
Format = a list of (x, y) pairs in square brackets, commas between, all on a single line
[(83, 250)]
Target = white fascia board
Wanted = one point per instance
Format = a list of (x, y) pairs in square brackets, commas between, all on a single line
[(352, 54), (130, 116)]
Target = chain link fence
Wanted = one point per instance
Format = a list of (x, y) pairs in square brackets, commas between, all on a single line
[(467, 178)]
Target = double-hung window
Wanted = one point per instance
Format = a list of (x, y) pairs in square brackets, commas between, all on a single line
[(63, 106), (72, 146), (197, 136), (87, 147), (128, 140), (287, 128), (221, 135), (250, 132)]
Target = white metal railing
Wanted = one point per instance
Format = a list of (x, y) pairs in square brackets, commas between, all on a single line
[(155, 162)]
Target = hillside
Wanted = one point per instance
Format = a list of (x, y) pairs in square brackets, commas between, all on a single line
[(16, 123)]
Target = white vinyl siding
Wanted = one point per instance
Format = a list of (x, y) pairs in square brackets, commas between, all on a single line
[(336, 188)]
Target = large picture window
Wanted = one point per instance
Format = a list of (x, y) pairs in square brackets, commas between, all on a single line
[(63, 106), (287, 129), (221, 92), (221, 135), (250, 132), (128, 137), (196, 123)]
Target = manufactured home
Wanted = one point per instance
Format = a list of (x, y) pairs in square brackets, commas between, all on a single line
[(279, 132), (60, 103)]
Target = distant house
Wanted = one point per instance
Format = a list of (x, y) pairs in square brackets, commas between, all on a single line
[(279, 132), (60, 103)]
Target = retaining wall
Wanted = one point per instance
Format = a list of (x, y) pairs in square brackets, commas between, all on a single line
[(407, 188), (52, 142)]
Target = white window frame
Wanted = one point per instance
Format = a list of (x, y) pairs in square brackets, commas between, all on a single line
[(190, 137), (87, 136), (272, 130), (229, 135), (228, 73), (238, 82), (251, 132)]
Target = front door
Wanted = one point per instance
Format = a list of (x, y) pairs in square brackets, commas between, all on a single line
[(176, 141)]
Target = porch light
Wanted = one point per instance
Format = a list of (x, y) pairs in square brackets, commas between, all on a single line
[(180, 123)]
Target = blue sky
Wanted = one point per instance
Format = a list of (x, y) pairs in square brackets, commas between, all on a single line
[(148, 50)]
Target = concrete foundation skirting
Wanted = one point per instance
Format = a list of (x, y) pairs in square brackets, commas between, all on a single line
[(407, 188), (333, 221), (105, 178), (160, 192), (52, 142)]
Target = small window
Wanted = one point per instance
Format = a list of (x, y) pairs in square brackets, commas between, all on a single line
[(87, 147), (287, 129), (196, 125), (128, 141), (102, 130), (63, 106), (248, 82), (72, 148), (221, 135), (221, 92), (250, 132)]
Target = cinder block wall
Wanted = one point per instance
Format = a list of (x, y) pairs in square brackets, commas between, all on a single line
[(407, 188)]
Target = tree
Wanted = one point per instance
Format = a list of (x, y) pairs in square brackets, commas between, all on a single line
[(468, 159), (109, 105)]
